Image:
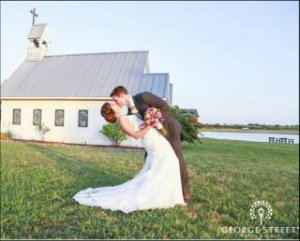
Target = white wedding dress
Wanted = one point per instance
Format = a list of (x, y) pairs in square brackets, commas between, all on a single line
[(157, 185)]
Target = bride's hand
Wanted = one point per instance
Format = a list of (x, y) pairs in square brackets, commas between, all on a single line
[(157, 124)]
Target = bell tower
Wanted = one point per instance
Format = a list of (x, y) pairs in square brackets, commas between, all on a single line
[(37, 40)]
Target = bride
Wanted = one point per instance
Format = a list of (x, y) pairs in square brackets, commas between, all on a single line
[(158, 183)]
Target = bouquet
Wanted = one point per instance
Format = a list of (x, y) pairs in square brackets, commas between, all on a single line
[(153, 117)]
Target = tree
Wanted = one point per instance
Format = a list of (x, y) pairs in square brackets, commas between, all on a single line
[(189, 127), (113, 132)]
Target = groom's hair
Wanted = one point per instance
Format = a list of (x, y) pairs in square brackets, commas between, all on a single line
[(108, 113), (119, 90)]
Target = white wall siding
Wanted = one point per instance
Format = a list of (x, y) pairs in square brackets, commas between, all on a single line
[(69, 133)]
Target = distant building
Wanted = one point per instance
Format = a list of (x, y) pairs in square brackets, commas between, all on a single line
[(66, 92), (191, 112)]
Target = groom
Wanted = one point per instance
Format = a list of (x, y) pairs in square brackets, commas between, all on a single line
[(138, 104)]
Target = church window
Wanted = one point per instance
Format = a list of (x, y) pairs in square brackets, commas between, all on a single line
[(37, 117), (83, 118), (59, 117), (16, 116)]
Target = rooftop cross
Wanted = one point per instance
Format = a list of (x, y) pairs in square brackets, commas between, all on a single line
[(34, 14)]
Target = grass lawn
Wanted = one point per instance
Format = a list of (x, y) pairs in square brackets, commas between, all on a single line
[(227, 177)]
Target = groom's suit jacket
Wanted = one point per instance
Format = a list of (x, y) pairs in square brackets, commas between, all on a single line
[(144, 100)]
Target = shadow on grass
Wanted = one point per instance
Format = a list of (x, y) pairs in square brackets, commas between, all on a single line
[(84, 175)]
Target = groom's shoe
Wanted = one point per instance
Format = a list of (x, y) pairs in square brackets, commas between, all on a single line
[(187, 197)]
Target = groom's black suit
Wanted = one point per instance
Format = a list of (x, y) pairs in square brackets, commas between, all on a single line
[(145, 100)]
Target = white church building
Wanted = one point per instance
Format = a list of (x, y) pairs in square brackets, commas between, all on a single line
[(65, 92)]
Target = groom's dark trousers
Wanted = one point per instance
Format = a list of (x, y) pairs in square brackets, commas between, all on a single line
[(145, 100)]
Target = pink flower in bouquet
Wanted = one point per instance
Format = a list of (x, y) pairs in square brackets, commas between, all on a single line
[(151, 115)]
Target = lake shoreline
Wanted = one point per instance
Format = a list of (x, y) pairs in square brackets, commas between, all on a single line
[(253, 137), (265, 131)]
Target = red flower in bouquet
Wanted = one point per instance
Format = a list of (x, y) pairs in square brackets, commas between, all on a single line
[(153, 114)]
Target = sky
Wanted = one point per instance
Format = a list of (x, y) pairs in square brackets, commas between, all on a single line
[(235, 62)]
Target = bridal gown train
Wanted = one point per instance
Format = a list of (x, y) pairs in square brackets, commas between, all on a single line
[(157, 184)]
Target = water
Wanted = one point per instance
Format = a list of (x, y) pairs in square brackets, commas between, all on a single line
[(256, 137)]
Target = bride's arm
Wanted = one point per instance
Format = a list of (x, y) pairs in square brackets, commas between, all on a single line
[(129, 130)]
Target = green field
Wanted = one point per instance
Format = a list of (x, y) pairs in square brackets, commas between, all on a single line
[(227, 177)]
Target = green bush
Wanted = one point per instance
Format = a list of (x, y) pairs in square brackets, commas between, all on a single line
[(6, 135), (113, 132), (189, 131), (43, 129)]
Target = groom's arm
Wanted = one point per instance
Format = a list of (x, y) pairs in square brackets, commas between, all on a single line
[(155, 101)]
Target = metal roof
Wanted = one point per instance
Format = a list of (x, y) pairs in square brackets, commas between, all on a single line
[(155, 83), (84, 75), (37, 31)]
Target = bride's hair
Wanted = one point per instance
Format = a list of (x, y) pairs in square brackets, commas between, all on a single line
[(108, 113)]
